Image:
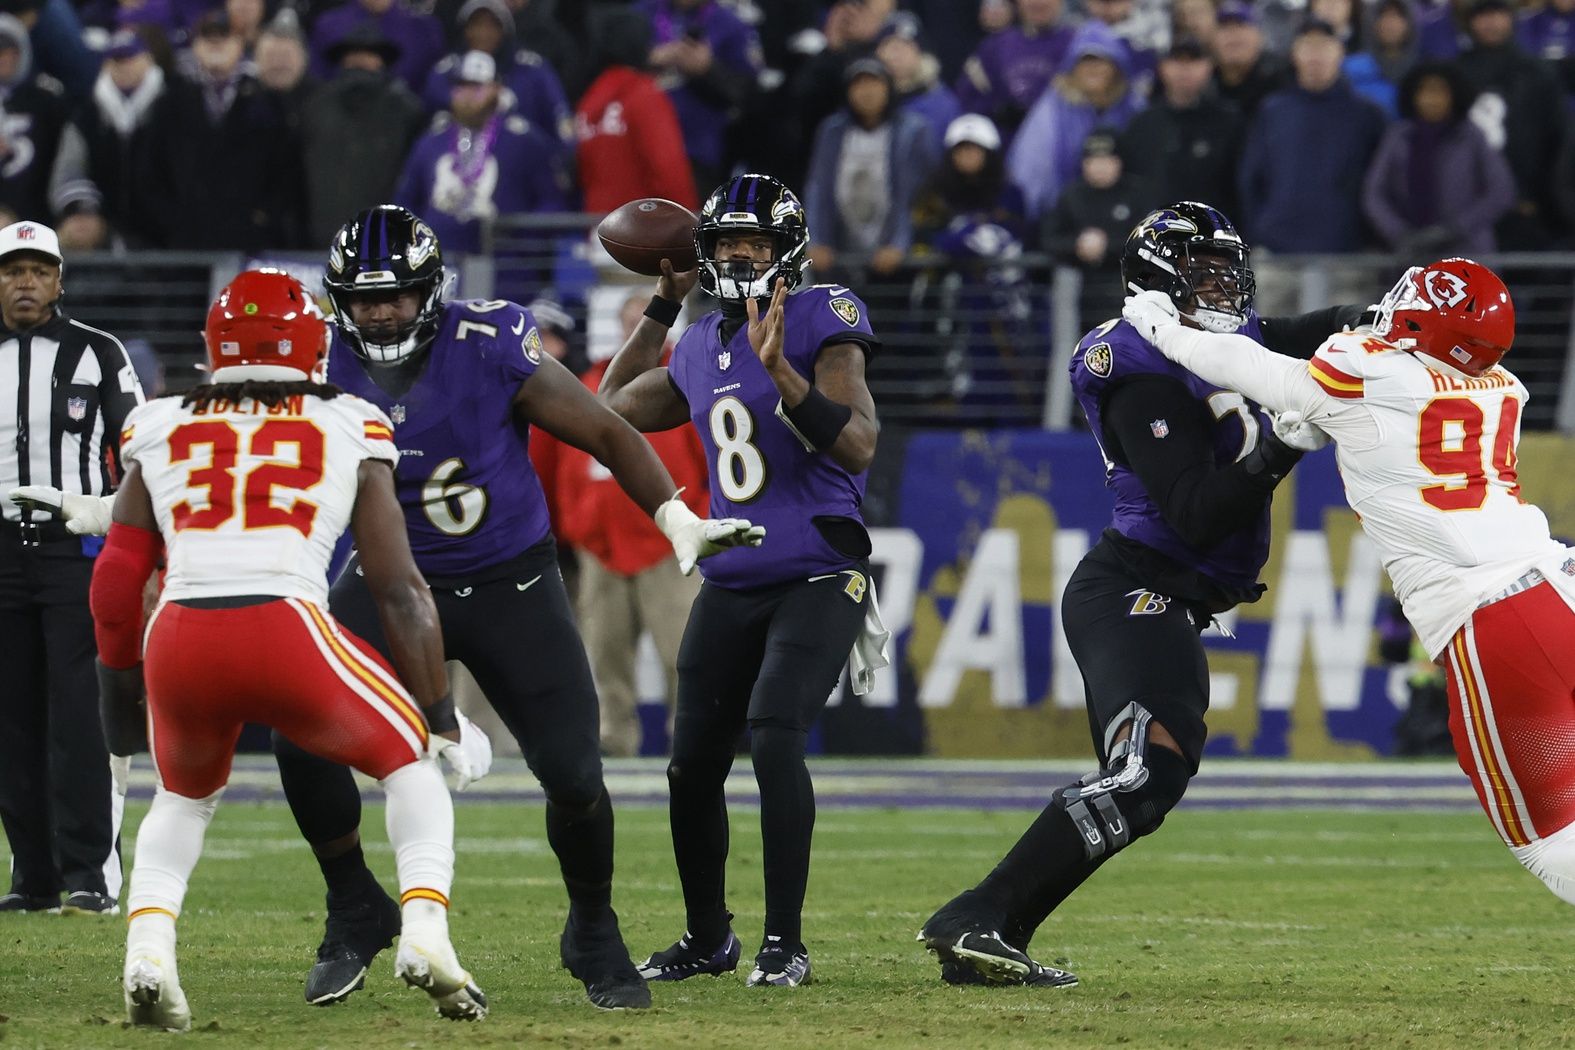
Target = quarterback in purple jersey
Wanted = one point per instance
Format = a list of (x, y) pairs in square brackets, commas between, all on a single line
[(461, 382), (1193, 467), (774, 382)]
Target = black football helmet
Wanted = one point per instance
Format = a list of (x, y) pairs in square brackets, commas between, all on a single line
[(384, 249), (1193, 254), (750, 204)]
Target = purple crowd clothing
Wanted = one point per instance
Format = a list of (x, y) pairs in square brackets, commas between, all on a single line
[(419, 39), (703, 102), (1548, 34), (1438, 175), (538, 94), (1010, 70), (470, 495), (456, 178), (1437, 35), (759, 468), (1115, 352)]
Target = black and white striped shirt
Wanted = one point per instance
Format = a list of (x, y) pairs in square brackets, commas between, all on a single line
[(65, 390)]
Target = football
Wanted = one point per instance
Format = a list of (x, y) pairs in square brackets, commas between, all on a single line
[(644, 232)]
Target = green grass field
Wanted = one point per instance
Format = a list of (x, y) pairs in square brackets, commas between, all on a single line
[(1227, 929)]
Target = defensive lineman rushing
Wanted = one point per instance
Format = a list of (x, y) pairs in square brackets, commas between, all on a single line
[(247, 483), (461, 381), (1193, 467), (1426, 424), (777, 393)]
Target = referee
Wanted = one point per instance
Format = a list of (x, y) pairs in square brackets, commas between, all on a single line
[(65, 389)]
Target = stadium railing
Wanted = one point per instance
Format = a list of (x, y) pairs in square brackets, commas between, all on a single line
[(982, 344)]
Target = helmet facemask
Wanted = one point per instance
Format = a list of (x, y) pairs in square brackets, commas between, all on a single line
[(1220, 287), (751, 206), (407, 338), (734, 280)]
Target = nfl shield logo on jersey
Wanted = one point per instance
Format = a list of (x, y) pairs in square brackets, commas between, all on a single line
[(1159, 427), (397, 414), (1568, 567), (724, 359), (76, 407)]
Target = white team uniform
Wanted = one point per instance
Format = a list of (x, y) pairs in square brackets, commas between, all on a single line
[(1428, 462), (252, 500)]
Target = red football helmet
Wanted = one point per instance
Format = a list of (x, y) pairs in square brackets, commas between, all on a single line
[(1454, 311), (265, 325)]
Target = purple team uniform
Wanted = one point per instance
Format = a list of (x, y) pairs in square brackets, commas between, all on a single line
[(461, 411), (1110, 354), (776, 482)]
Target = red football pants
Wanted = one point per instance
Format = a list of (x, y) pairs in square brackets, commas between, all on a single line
[(1511, 674), (285, 664)]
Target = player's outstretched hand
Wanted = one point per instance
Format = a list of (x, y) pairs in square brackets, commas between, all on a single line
[(1148, 312), (694, 537), (83, 515), (1298, 433), (477, 747), (765, 333), (674, 284)]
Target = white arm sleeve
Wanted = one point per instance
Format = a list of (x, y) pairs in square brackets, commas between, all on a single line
[(1277, 382)]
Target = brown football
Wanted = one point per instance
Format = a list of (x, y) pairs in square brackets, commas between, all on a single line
[(644, 232)]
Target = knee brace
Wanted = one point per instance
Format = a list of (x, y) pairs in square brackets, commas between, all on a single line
[(1130, 797)]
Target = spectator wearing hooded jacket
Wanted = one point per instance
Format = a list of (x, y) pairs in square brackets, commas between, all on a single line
[(101, 185), (488, 25), (1307, 151), (915, 75), (1391, 51), (418, 36), (1435, 187), (1011, 68), (866, 166), (1046, 155), (706, 58), (355, 132), (630, 144), (33, 109), (968, 190)]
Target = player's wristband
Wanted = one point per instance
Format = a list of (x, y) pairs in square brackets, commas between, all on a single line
[(815, 421), (1271, 460), (441, 716), (663, 311)]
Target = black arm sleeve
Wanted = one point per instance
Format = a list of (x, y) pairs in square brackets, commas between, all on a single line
[(1203, 502), (1302, 335)]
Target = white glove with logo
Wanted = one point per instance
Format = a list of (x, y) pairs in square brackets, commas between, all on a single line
[(120, 773), (83, 515), (1298, 433), (694, 537), (469, 758), (1148, 312)]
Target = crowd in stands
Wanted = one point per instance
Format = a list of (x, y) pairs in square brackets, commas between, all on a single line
[(972, 129)]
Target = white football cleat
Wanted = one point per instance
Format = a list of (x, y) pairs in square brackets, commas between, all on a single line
[(426, 960), (153, 995)]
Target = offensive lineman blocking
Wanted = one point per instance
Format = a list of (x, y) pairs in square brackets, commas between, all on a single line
[(1426, 424), (249, 482)]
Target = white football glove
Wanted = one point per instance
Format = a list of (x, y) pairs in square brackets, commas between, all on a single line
[(694, 537), (120, 773), (469, 758), (1298, 433), (1148, 312), (83, 515)]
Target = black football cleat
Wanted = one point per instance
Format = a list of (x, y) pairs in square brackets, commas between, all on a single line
[(686, 959), (780, 966), (89, 902), (594, 953), (357, 929), (26, 902)]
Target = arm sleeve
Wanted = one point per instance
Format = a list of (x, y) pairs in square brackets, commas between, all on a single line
[(1301, 336), (1203, 502)]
